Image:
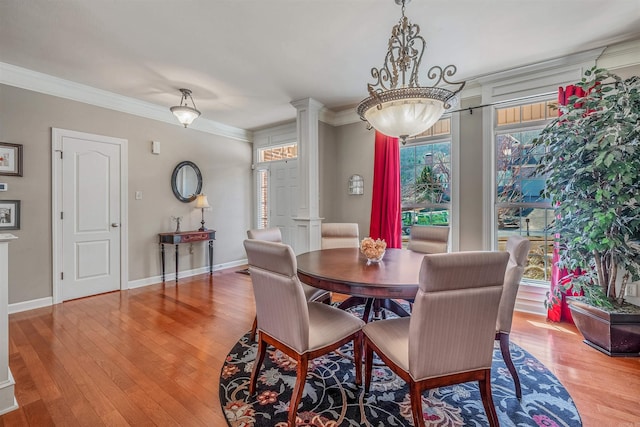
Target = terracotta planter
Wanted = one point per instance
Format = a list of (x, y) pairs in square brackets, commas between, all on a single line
[(614, 334)]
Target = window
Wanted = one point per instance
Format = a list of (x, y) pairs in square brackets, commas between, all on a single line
[(273, 154), (262, 215), (519, 207), (425, 177)]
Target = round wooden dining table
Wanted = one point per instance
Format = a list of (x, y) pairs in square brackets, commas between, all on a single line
[(346, 271)]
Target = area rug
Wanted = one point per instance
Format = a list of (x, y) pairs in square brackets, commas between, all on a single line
[(331, 397)]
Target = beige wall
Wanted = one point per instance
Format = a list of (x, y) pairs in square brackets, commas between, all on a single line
[(27, 118), (351, 152)]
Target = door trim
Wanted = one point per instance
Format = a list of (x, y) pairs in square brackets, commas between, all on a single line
[(56, 202)]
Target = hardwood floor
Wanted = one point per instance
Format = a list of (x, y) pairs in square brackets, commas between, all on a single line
[(152, 356)]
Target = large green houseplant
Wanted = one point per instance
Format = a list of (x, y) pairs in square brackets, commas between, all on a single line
[(592, 169), (591, 162)]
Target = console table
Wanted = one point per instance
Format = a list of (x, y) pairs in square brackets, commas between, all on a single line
[(187, 237)]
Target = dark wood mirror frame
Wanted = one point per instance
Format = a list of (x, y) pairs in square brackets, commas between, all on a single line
[(186, 198)]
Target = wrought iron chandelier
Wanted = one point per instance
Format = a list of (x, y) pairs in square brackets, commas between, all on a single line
[(397, 105), (185, 114)]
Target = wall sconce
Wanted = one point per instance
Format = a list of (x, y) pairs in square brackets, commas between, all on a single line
[(356, 185), (202, 203), (185, 114)]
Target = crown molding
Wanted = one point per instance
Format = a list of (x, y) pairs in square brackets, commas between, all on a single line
[(620, 55), (23, 78)]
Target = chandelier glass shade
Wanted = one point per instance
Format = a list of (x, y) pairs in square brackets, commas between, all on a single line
[(185, 114), (397, 105)]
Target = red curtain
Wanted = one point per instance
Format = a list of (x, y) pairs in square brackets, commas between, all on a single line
[(386, 213), (560, 311)]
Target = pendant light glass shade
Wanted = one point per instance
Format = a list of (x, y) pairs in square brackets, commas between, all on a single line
[(185, 114)]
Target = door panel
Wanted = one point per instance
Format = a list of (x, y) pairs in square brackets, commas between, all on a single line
[(283, 187), (91, 217)]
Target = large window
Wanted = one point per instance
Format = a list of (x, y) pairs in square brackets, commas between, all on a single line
[(519, 207), (425, 176)]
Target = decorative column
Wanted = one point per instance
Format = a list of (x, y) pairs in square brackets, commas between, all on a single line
[(7, 398), (307, 235)]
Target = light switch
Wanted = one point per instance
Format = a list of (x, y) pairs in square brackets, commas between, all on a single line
[(155, 147), (138, 195)]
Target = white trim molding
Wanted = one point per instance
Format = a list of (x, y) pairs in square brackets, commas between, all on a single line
[(7, 397), (23, 78), (57, 136)]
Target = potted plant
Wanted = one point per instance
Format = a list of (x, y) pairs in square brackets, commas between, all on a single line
[(591, 162)]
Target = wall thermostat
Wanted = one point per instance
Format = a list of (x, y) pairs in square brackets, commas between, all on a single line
[(3, 186)]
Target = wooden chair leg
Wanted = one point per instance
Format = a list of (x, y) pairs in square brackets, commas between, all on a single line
[(416, 404), (357, 357), (296, 395), (254, 328), (262, 351), (368, 366), (506, 355), (487, 398)]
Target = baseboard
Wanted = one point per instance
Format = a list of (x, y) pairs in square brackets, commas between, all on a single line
[(531, 298), (30, 305), (133, 284), (48, 301)]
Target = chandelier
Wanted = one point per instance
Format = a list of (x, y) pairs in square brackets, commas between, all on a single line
[(185, 114), (397, 105)]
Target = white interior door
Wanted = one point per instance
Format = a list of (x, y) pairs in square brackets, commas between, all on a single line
[(90, 220), (283, 195)]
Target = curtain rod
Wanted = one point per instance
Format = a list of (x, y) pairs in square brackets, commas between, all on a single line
[(470, 109)]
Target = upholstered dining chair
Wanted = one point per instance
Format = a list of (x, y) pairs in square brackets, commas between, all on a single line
[(429, 239), (273, 234), (286, 320), (449, 337), (339, 235), (518, 249)]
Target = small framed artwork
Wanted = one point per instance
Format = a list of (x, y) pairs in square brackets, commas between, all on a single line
[(9, 215), (10, 159)]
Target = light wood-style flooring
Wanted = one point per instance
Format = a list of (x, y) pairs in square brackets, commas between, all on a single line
[(152, 356)]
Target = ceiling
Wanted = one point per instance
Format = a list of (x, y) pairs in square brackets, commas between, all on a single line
[(246, 60)]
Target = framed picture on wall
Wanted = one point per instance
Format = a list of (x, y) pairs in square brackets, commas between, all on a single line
[(9, 215), (10, 159)]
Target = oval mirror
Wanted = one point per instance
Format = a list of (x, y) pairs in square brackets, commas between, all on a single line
[(186, 181)]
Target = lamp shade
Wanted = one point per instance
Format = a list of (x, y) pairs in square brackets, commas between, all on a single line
[(186, 115), (202, 202), (403, 118)]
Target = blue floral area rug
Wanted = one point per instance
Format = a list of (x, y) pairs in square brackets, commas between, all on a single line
[(331, 397)]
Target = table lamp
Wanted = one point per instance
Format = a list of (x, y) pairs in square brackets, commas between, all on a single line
[(202, 203)]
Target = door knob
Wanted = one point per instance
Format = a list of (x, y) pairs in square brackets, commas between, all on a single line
[(115, 224)]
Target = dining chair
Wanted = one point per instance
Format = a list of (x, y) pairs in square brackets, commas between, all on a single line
[(339, 235), (429, 239), (273, 234), (449, 337), (518, 249), (300, 329)]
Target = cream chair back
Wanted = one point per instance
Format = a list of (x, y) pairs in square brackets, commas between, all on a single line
[(339, 235), (281, 305), (452, 325), (518, 249), (269, 234), (429, 239)]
